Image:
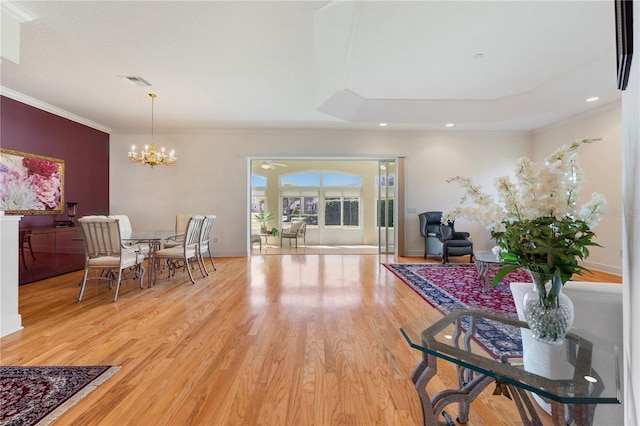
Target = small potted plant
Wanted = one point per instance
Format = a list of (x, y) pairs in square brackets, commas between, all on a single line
[(263, 217)]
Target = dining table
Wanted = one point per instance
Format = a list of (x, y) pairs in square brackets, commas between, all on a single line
[(154, 239)]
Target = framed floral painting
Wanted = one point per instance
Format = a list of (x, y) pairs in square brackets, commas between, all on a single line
[(30, 184)]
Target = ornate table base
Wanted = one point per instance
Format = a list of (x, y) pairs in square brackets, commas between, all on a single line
[(470, 385)]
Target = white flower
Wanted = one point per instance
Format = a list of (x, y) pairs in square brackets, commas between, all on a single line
[(550, 189), (592, 211)]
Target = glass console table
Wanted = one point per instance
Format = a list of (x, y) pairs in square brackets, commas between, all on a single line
[(451, 339)]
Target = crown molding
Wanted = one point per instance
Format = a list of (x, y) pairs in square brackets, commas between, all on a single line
[(617, 104), (16, 11), (17, 96)]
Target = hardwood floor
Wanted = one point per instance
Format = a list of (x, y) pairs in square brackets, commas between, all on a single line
[(265, 340)]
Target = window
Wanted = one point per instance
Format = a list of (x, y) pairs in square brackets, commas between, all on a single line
[(351, 211), (340, 179), (303, 206), (342, 211), (339, 193), (382, 181), (301, 179), (384, 207)]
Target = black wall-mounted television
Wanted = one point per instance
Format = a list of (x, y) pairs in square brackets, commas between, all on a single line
[(624, 40)]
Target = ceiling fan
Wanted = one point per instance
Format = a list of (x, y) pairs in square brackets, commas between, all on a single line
[(268, 164)]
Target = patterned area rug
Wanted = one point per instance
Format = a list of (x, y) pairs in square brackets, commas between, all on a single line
[(457, 286), (39, 395)]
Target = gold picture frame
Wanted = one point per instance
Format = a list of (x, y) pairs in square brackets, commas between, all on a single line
[(31, 184)]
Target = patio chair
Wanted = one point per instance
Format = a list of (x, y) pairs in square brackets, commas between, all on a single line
[(297, 229)]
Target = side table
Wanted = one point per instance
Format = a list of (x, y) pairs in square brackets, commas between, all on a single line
[(486, 261), (476, 370), (266, 236)]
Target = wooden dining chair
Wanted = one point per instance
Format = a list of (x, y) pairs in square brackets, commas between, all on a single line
[(182, 256), (105, 251)]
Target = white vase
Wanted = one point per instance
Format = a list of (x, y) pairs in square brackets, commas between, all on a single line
[(547, 311)]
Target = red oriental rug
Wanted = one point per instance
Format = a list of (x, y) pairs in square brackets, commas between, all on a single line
[(39, 395), (456, 286)]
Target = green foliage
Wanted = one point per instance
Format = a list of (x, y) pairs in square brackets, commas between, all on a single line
[(382, 220), (263, 217), (332, 212), (343, 212), (544, 245), (351, 213)]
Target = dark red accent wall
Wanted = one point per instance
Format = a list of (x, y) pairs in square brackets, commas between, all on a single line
[(85, 152)]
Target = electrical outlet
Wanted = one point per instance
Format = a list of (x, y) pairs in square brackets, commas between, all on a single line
[(411, 210), (215, 239)]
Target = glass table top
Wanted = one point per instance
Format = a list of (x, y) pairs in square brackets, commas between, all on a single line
[(591, 364), (150, 235), (487, 256)]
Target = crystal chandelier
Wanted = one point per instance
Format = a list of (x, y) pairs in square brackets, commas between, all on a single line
[(149, 155)]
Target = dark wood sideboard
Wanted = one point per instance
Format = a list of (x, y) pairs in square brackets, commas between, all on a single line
[(47, 251)]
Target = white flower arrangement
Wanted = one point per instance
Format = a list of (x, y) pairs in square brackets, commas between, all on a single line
[(550, 190), (538, 221)]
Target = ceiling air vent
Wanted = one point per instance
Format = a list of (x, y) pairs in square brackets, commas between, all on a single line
[(135, 80)]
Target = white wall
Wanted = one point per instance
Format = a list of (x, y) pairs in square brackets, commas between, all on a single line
[(10, 318), (631, 242), (602, 166), (212, 173)]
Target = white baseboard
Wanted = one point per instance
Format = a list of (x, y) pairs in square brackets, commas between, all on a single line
[(10, 325), (230, 253), (616, 270)]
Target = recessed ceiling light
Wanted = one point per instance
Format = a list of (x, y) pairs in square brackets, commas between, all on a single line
[(449, 125), (478, 56), (382, 124), (593, 99)]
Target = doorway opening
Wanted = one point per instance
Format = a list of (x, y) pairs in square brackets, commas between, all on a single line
[(349, 205)]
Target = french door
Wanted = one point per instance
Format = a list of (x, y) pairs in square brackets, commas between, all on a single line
[(386, 206)]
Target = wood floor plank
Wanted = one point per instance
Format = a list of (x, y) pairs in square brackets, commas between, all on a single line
[(266, 340)]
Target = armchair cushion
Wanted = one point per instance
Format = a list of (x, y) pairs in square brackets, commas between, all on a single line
[(460, 235), (296, 230), (296, 225)]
